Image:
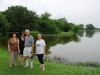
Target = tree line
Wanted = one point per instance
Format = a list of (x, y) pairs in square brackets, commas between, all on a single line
[(19, 18)]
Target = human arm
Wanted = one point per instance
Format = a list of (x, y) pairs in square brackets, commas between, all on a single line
[(9, 45), (32, 41), (9, 48), (44, 46), (32, 48), (44, 49), (18, 46)]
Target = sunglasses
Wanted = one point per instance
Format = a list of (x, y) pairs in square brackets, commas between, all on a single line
[(23, 35)]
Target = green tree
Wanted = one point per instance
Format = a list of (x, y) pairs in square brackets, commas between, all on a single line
[(82, 27), (75, 28), (47, 25), (62, 24), (21, 18), (4, 25), (90, 27)]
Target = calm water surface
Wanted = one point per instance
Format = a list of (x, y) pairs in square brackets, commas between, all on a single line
[(84, 47)]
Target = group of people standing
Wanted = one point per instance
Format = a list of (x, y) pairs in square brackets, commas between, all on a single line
[(25, 46)]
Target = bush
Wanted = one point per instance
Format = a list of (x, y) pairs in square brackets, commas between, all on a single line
[(75, 28), (4, 25), (47, 25)]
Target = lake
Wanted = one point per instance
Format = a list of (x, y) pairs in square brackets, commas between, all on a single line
[(84, 47)]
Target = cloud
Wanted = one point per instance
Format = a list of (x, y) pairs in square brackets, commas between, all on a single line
[(75, 11)]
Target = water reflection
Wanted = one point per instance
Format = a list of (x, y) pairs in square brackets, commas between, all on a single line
[(87, 33), (54, 40), (90, 34), (50, 41), (80, 33), (71, 47)]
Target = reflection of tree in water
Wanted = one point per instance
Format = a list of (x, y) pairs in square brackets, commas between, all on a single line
[(4, 40), (90, 33), (80, 33), (50, 41), (54, 40)]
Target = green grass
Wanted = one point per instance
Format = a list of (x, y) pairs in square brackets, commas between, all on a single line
[(51, 68), (61, 33), (34, 32)]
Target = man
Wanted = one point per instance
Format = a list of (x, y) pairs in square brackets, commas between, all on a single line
[(29, 45)]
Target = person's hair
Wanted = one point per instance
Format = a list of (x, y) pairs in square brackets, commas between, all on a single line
[(23, 33), (13, 33), (27, 30), (40, 34)]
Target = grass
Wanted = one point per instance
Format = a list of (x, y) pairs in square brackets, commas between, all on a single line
[(60, 60), (61, 33), (51, 68)]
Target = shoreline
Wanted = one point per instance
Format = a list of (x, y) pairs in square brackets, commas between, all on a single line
[(51, 68)]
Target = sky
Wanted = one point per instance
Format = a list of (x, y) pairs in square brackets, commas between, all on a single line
[(75, 11)]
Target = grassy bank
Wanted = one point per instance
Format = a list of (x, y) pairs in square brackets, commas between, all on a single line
[(61, 33), (51, 68)]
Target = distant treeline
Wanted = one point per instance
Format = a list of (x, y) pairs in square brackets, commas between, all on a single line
[(19, 18)]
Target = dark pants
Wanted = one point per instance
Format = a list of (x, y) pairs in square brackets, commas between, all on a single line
[(40, 58)]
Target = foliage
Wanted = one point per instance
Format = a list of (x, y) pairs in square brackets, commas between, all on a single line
[(82, 27), (4, 25), (21, 18), (90, 27), (47, 25), (75, 28)]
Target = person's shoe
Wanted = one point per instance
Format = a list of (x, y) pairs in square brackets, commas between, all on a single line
[(43, 68), (15, 64), (10, 66), (26, 65), (31, 66)]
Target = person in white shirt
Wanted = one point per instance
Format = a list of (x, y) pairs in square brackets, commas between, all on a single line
[(40, 50)]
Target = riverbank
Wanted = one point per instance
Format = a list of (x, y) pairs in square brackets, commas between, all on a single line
[(51, 68), (70, 33)]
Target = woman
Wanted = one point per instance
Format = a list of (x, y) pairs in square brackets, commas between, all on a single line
[(13, 48), (40, 50), (21, 47)]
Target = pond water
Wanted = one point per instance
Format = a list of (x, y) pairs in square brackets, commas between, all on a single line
[(84, 47)]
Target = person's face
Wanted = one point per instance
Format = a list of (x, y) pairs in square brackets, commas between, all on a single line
[(14, 35), (39, 37), (23, 35), (27, 33)]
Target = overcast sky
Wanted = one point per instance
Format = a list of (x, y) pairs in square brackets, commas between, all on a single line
[(75, 11)]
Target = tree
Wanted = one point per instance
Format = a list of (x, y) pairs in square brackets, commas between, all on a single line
[(82, 27), (4, 25), (62, 24), (21, 18), (47, 25), (90, 27), (75, 28)]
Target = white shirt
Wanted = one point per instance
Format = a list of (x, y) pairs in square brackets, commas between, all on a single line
[(40, 44)]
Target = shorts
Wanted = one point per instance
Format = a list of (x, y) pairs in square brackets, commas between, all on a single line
[(27, 51)]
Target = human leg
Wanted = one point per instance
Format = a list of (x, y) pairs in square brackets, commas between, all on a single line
[(16, 57), (11, 61)]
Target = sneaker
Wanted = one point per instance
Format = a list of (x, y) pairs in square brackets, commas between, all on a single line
[(26, 65), (31, 66), (43, 68), (10, 66)]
